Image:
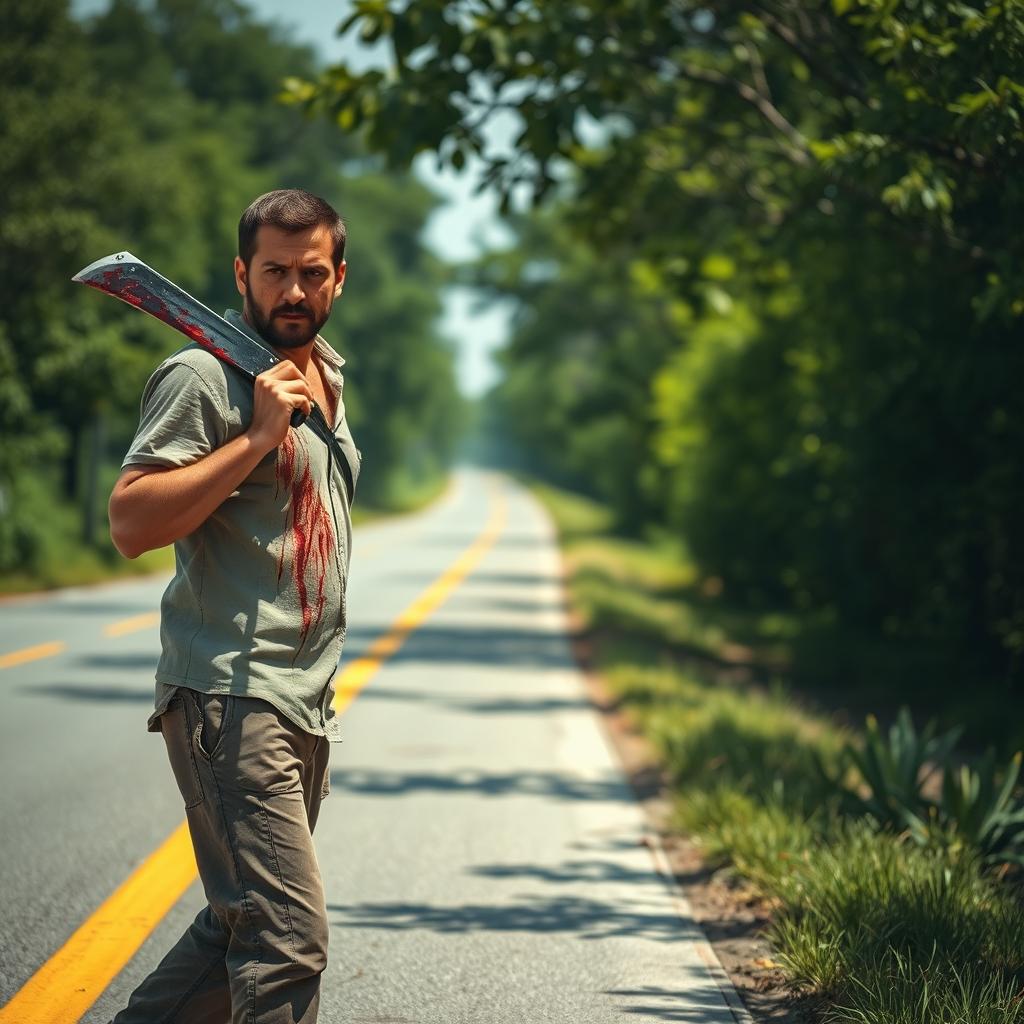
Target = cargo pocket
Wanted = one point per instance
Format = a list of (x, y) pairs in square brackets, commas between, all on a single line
[(213, 712), (177, 726)]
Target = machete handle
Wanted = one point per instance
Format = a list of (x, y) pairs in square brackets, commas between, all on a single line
[(298, 417)]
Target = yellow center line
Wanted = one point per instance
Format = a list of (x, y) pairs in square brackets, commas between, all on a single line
[(136, 622), (358, 673), (64, 988), (31, 653)]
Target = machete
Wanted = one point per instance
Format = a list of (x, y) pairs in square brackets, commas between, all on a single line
[(129, 279)]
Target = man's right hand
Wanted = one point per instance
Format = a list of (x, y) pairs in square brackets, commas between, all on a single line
[(277, 392)]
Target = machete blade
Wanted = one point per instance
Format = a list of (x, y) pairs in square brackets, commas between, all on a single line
[(129, 279)]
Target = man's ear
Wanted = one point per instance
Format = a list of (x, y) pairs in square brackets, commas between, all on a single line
[(339, 284), (241, 275)]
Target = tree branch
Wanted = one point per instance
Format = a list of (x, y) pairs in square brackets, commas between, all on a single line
[(797, 150), (757, 69), (843, 86)]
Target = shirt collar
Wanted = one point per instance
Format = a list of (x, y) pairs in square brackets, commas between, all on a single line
[(320, 346)]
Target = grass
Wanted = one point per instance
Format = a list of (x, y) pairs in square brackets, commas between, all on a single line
[(910, 992), (881, 930), (895, 932)]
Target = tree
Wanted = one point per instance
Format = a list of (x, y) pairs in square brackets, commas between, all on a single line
[(821, 192), (150, 128)]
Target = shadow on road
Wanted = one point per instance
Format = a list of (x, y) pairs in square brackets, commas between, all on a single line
[(482, 706), (523, 579), (699, 1003), (552, 785), (71, 691), (464, 540), (589, 871), (529, 606), (48, 607), (696, 999), (132, 661), (585, 917), (478, 645)]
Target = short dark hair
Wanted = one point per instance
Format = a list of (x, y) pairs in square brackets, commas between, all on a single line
[(290, 209)]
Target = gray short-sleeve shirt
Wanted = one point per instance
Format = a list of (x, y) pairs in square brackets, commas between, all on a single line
[(257, 604)]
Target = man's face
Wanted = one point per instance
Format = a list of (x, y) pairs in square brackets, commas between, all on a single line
[(289, 285)]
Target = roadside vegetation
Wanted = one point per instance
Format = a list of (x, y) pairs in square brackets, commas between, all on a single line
[(890, 854)]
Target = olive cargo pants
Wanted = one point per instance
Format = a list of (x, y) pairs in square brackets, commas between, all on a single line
[(252, 782)]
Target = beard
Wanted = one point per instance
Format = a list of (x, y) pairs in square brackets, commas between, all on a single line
[(294, 334)]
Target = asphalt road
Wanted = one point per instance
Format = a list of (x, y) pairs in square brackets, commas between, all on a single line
[(481, 848)]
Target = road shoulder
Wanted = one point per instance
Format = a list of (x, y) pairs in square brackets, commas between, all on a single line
[(731, 916)]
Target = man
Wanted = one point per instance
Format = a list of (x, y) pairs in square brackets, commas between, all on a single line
[(252, 623)]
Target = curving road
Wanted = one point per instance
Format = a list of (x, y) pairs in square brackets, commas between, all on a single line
[(481, 847)]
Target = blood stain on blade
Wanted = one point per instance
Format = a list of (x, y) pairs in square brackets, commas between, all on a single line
[(138, 295), (198, 335), (133, 293)]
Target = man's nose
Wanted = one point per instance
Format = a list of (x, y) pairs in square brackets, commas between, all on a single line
[(293, 292)]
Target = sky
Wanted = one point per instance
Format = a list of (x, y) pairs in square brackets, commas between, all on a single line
[(461, 229)]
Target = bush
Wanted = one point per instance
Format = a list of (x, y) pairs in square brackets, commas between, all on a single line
[(978, 807)]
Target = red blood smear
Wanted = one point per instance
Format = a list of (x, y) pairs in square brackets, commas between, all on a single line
[(132, 292), (312, 542), (195, 332), (142, 298)]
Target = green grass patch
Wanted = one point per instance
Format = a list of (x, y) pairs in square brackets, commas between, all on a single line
[(895, 932), (649, 594), (881, 929)]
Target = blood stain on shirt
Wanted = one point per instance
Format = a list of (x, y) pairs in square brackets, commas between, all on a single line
[(307, 532)]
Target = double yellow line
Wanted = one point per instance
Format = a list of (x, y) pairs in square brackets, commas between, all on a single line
[(64, 988)]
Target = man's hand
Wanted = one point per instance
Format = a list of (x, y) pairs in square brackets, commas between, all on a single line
[(277, 392)]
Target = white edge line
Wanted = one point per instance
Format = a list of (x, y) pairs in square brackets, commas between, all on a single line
[(704, 948)]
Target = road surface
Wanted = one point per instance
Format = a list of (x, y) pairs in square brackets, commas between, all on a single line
[(482, 851)]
